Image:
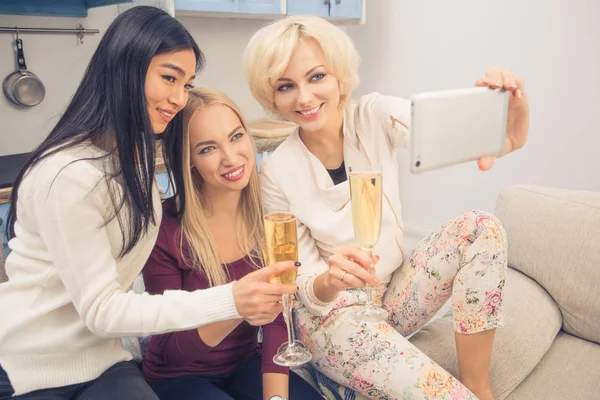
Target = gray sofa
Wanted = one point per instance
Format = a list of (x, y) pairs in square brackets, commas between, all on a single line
[(549, 348)]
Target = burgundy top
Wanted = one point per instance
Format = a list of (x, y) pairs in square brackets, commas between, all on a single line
[(177, 354)]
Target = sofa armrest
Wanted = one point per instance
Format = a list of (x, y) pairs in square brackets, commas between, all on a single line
[(554, 238)]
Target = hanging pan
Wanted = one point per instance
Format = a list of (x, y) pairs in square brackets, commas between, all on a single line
[(23, 87)]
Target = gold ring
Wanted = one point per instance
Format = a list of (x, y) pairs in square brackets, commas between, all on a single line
[(343, 275)]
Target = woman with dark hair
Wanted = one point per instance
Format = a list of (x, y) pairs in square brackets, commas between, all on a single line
[(85, 217)]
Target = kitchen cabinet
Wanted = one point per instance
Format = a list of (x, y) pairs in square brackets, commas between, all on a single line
[(338, 10), (54, 8), (204, 5), (352, 9), (230, 8), (261, 6), (320, 8), (334, 9)]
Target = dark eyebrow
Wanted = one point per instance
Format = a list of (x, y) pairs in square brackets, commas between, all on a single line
[(234, 130), (237, 128), (178, 69), (310, 71)]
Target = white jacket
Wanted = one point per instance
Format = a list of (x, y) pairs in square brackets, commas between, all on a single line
[(293, 178)]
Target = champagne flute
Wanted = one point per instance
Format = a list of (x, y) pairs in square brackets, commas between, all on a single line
[(281, 244), (366, 197)]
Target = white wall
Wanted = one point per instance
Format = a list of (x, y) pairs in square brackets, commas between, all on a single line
[(434, 45), (222, 41), (60, 61)]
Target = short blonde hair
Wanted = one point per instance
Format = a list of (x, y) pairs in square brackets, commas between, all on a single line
[(194, 227), (269, 50)]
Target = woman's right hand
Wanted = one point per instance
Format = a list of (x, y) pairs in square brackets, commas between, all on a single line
[(257, 300), (349, 267)]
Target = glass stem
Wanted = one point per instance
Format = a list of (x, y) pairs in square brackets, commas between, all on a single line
[(289, 321), (369, 302)]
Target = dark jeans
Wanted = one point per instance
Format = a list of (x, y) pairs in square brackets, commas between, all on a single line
[(243, 383), (123, 380)]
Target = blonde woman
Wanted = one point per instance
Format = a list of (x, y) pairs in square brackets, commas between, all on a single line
[(208, 237), (304, 69)]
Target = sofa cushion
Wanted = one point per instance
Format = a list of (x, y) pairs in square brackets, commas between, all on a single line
[(553, 238), (569, 370), (532, 321)]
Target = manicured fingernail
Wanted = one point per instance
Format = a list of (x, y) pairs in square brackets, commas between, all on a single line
[(518, 92), (297, 263), (377, 282)]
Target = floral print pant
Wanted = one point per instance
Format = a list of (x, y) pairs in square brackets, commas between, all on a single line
[(465, 260)]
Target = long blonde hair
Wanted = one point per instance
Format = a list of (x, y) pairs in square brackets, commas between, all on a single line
[(195, 230)]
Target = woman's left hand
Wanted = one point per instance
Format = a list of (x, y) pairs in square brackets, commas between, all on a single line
[(517, 126)]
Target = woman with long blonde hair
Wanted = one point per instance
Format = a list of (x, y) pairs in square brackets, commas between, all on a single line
[(210, 235), (303, 69)]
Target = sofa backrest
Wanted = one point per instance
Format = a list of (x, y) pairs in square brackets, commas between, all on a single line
[(554, 238)]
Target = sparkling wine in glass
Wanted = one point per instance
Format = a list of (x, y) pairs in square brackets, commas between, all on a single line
[(366, 194), (281, 244)]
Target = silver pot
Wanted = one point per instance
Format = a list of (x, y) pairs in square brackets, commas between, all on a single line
[(23, 87)]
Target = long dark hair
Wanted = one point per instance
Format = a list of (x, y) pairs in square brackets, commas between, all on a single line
[(110, 106)]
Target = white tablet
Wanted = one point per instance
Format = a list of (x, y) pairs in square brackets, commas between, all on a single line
[(455, 126)]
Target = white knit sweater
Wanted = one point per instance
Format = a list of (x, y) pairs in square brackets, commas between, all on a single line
[(68, 297)]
